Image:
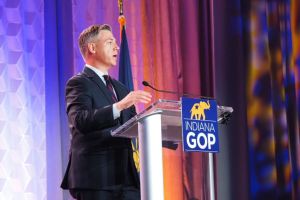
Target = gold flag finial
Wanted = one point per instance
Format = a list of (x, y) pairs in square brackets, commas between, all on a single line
[(120, 4), (121, 19)]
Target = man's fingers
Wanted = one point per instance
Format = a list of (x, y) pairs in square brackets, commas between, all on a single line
[(144, 100), (138, 96), (144, 93), (144, 97)]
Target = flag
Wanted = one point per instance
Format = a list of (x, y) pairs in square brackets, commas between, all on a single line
[(125, 77), (125, 74)]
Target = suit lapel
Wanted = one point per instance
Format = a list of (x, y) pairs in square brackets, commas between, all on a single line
[(97, 80), (119, 91)]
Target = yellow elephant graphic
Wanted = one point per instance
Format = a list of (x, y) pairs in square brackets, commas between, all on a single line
[(197, 110)]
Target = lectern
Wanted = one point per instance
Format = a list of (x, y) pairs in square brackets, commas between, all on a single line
[(161, 121)]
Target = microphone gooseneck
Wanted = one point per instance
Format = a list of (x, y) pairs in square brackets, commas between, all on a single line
[(145, 83)]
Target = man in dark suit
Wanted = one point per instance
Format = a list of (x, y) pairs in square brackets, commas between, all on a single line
[(100, 166)]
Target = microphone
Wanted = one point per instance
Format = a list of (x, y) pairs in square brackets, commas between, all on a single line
[(145, 83)]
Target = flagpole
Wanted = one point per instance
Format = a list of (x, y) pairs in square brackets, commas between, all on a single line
[(151, 167), (121, 19), (120, 4), (125, 67)]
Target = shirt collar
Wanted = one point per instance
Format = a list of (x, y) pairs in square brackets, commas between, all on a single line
[(97, 71)]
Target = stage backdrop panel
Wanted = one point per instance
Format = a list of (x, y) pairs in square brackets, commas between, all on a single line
[(22, 100)]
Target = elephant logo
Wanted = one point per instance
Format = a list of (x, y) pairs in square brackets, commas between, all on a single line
[(197, 110)]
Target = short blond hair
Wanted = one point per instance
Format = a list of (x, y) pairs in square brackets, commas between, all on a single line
[(88, 35)]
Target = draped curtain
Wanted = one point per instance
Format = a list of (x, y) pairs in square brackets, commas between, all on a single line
[(257, 65), (273, 100), (177, 56)]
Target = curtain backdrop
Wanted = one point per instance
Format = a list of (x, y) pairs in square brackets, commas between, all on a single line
[(273, 100), (257, 65), (173, 59)]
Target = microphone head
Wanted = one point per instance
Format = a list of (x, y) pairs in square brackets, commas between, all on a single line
[(145, 83)]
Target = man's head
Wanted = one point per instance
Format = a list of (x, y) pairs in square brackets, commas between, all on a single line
[(98, 46)]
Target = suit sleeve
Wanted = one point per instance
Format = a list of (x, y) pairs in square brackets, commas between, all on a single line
[(132, 111), (81, 113)]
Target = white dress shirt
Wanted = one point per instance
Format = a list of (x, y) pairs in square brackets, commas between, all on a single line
[(116, 111)]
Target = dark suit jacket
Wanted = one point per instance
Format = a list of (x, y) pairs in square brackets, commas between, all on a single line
[(97, 159)]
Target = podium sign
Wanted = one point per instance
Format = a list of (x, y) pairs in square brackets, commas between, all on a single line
[(161, 121), (199, 125)]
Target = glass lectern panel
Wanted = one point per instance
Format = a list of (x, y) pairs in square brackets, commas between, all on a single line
[(171, 120), (185, 175)]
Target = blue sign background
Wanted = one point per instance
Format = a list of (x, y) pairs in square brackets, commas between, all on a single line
[(210, 121)]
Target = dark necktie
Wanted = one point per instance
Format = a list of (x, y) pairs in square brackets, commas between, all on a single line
[(110, 88), (136, 155)]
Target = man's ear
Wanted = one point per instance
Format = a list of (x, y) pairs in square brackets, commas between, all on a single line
[(91, 48)]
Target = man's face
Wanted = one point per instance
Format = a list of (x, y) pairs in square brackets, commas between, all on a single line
[(106, 49)]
